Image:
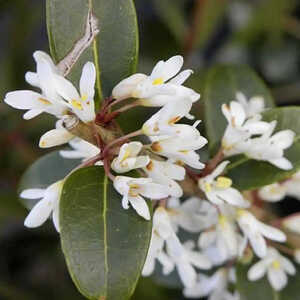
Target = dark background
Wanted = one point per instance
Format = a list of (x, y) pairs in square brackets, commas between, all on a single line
[(264, 34)]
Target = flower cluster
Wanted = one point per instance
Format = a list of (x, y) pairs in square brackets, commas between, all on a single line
[(221, 218)]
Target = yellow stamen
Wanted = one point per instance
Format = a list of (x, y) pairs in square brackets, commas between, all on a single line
[(222, 221), (84, 97), (133, 191), (76, 104), (44, 101), (207, 187), (158, 81), (240, 212), (276, 264), (223, 182), (126, 155)]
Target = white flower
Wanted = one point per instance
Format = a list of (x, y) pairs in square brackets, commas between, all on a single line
[(161, 231), (132, 190), (254, 106), (224, 241), (186, 259), (273, 192), (255, 231), (292, 223), (46, 101), (165, 173), (56, 137), (81, 150), (278, 191), (82, 105), (179, 149), (193, 214), (183, 257), (49, 204), (214, 287), (218, 189), (276, 266), (154, 90), (128, 158), (239, 128), (271, 148)]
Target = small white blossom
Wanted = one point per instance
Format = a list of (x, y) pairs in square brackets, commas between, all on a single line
[(157, 89), (239, 128), (165, 173), (81, 150), (164, 121), (128, 158), (277, 268), (46, 101), (55, 137), (270, 147), (82, 104), (214, 287), (183, 257), (223, 242), (132, 190), (49, 204), (292, 223), (179, 149), (193, 214), (255, 231), (218, 189), (273, 192), (254, 106), (279, 190)]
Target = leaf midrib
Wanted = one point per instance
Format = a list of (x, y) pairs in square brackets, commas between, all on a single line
[(104, 214)]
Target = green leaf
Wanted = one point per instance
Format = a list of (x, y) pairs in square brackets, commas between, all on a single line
[(45, 171), (220, 86), (172, 14), (105, 246), (115, 50), (251, 174), (262, 290), (211, 13)]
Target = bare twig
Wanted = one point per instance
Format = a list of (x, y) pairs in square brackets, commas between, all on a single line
[(91, 31)]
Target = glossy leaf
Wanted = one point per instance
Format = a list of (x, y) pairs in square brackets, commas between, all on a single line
[(251, 174), (105, 246), (45, 171), (172, 14), (221, 85), (116, 47)]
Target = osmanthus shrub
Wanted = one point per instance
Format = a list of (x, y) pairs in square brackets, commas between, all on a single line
[(121, 205)]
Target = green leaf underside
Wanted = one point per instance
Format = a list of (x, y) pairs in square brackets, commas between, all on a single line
[(105, 246), (45, 171), (251, 174), (262, 290), (221, 85), (115, 50)]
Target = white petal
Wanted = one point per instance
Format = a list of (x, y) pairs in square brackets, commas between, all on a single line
[(55, 137), (55, 217), (24, 100), (32, 79), (141, 207), (39, 213), (258, 244), (277, 278), (283, 139), (282, 163), (257, 271), (271, 232), (154, 191), (172, 67), (87, 80), (32, 113), (181, 77), (186, 273), (126, 87), (65, 88), (238, 113), (33, 194), (219, 169)]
